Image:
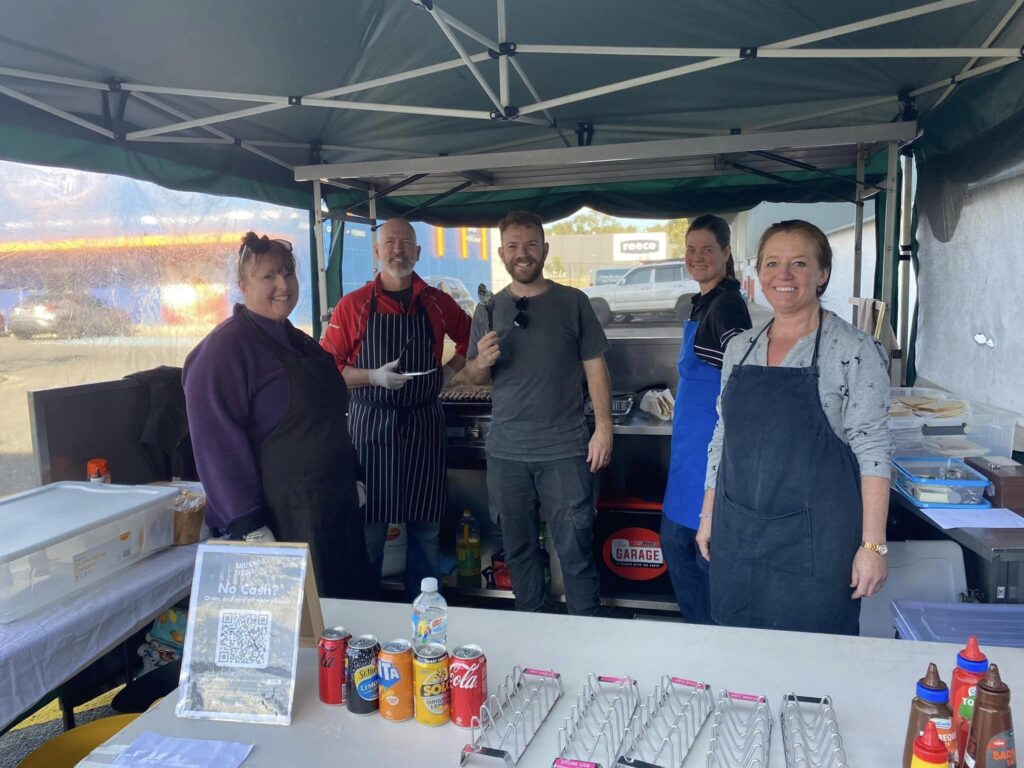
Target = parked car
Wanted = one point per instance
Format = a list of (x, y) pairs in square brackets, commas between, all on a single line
[(67, 315), (661, 288), (608, 275), (454, 288)]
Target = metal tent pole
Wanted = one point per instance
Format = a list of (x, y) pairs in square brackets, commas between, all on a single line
[(905, 246), (988, 41), (503, 89), (858, 229), (321, 261), (825, 34), (889, 238), (895, 99), (372, 210)]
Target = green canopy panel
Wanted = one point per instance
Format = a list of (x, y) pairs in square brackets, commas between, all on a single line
[(230, 97)]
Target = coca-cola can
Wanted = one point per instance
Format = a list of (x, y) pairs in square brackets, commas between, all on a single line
[(331, 649), (468, 683)]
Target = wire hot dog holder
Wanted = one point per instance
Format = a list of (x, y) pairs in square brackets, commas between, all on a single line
[(810, 733), (511, 717), (593, 734), (741, 732), (664, 728)]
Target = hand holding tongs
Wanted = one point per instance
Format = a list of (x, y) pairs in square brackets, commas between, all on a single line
[(487, 299)]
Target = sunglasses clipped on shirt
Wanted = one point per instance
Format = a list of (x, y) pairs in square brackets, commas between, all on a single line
[(521, 320)]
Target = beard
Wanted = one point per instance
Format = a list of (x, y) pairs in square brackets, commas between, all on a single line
[(400, 271), (524, 274)]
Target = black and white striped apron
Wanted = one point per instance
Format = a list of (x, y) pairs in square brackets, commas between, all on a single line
[(399, 433)]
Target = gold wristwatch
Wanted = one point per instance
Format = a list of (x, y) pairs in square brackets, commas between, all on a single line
[(881, 549)]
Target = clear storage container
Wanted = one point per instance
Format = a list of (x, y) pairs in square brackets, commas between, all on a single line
[(979, 430), (939, 482), (62, 537), (993, 625)]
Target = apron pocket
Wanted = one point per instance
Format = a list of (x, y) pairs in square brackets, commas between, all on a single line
[(769, 540)]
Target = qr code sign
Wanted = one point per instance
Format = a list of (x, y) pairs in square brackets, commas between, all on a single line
[(243, 639)]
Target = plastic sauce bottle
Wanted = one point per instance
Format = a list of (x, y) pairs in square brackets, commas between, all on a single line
[(929, 751), (97, 471), (991, 744), (930, 705), (971, 666), (429, 615), (467, 551)]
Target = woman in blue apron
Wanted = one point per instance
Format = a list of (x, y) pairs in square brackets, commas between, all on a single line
[(718, 313), (798, 469)]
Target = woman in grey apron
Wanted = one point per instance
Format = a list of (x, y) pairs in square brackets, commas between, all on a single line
[(798, 515)]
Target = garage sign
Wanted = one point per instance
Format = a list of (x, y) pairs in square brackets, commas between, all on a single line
[(634, 554)]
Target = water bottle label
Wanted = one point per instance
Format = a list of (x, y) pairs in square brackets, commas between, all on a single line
[(425, 630)]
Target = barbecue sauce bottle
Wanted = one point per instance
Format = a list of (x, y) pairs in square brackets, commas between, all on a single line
[(991, 743), (930, 705)]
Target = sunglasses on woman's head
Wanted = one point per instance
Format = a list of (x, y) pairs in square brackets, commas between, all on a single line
[(262, 246), (521, 320)]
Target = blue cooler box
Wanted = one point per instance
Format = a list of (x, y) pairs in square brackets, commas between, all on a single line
[(955, 622)]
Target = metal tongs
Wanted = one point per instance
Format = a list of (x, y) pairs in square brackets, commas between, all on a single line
[(487, 299)]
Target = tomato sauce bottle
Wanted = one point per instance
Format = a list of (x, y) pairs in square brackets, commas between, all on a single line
[(929, 751), (971, 666)]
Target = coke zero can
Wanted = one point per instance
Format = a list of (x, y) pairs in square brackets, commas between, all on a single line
[(468, 684), (331, 649), (361, 677)]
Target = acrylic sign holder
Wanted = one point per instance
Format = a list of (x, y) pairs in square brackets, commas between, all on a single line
[(663, 730), (593, 734), (810, 733), (741, 732), (510, 718)]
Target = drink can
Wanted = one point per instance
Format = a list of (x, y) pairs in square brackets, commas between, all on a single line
[(331, 649), (361, 681), (394, 669), (431, 697), (468, 684)]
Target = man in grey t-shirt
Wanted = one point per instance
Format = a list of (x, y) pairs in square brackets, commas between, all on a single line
[(535, 343)]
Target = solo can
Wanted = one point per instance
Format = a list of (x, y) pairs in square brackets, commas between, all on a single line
[(361, 681), (468, 684), (394, 671), (430, 684), (331, 649)]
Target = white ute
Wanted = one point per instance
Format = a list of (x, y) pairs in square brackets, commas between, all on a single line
[(664, 287)]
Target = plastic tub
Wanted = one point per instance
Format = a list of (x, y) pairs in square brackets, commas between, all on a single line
[(980, 430), (954, 622), (939, 481), (65, 536)]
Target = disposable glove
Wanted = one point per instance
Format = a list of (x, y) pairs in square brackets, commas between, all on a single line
[(387, 376)]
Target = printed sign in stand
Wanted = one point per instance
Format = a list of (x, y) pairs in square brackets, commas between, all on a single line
[(251, 606)]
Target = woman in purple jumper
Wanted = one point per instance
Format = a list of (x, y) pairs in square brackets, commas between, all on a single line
[(266, 410)]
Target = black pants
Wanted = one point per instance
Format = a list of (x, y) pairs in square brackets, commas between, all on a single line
[(564, 490)]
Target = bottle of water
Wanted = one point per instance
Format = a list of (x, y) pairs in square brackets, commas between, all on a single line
[(429, 615)]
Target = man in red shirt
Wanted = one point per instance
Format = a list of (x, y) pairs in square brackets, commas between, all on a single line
[(387, 339)]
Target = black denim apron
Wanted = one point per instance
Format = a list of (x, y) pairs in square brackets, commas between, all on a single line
[(788, 512), (307, 467), (399, 433)]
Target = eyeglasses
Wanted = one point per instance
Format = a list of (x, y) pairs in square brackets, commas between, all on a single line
[(521, 320)]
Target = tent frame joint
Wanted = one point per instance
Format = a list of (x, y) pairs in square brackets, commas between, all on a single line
[(507, 48), (908, 104), (749, 52), (508, 112), (294, 101), (584, 133)]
